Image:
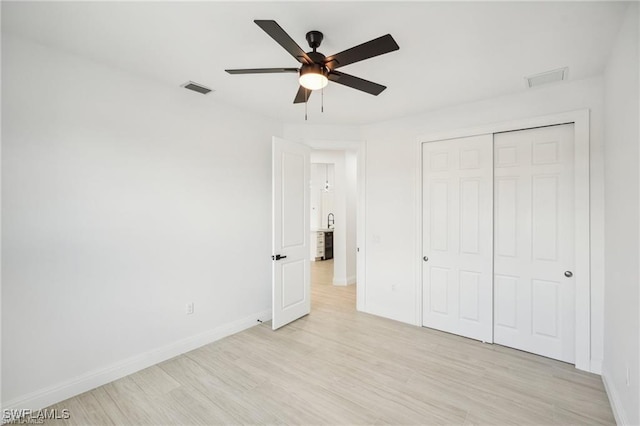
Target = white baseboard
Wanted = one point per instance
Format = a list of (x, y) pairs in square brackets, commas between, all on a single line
[(339, 281), (53, 394), (614, 399), (344, 281), (596, 366)]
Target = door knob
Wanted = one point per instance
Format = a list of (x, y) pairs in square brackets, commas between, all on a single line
[(278, 257), (425, 258), (568, 274)]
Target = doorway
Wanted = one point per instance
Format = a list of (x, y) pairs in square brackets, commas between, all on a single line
[(333, 217)]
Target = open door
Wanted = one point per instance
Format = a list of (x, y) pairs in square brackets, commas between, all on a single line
[(291, 282)]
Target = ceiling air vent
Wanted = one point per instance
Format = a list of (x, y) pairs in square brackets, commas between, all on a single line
[(196, 87), (547, 77)]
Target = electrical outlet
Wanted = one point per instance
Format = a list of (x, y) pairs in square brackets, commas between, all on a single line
[(189, 308)]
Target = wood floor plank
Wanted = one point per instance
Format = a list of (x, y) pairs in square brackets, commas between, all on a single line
[(340, 366), (132, 401), (111, 409), (154, 381), (93, 413)]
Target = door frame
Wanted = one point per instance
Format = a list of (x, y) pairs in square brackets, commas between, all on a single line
[(582, 238), (361, 218)]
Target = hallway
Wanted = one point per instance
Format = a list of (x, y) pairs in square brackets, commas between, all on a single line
[(326, 297)]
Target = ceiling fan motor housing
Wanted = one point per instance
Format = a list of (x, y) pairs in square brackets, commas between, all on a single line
[(314, 38), (313, 69)]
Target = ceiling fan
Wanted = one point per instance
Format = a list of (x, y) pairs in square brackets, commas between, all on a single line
[(317, 69)]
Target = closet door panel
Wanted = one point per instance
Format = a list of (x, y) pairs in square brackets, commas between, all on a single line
[(533, 230), (458, 236)]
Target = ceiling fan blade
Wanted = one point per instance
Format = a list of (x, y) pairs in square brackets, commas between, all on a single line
[(262, 70), (302, 95), (356, 83), (278, 34), (375, 47)]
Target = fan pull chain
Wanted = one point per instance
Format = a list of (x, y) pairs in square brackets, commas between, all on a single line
[(306, 100), (322, 101)]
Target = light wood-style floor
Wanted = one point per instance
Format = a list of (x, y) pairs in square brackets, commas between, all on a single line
[(337, 366)]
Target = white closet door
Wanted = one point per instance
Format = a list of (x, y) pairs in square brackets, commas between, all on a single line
[(534, 300), (457, 236)]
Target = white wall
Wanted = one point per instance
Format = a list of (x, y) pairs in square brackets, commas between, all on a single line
[(324, 136), (351, 182), (320, 174), (123, 200), (327, 197), (392, 180), (1, 316), (622, 214)]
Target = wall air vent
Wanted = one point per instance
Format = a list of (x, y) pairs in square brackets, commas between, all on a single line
[(196, 87), (547, 77)]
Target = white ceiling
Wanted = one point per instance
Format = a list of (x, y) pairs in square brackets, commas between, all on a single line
[(450, 52)]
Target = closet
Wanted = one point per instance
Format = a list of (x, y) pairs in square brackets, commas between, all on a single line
[(498, 239)]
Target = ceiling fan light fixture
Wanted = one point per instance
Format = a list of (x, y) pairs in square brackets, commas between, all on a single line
[(316, 67), (313, 77)]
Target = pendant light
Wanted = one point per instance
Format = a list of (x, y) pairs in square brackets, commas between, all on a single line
[(326, 173)]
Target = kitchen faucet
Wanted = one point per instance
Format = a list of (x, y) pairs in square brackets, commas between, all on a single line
[(331, 221)]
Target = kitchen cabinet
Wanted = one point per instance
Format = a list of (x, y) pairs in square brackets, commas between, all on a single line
[(322, 245)]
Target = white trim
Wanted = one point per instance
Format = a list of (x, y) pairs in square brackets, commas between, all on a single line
[(614, 400), (596, 366), (582, 233), (580, 118), (346, 281), (419, 238), (526, 123), (53, 394), (361, 229)]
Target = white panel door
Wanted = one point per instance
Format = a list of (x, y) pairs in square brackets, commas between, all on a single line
[(291, 275), (533, 237), (457, 236)]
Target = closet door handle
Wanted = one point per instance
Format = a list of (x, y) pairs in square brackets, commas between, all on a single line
[(568, 274), (425, 258)]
